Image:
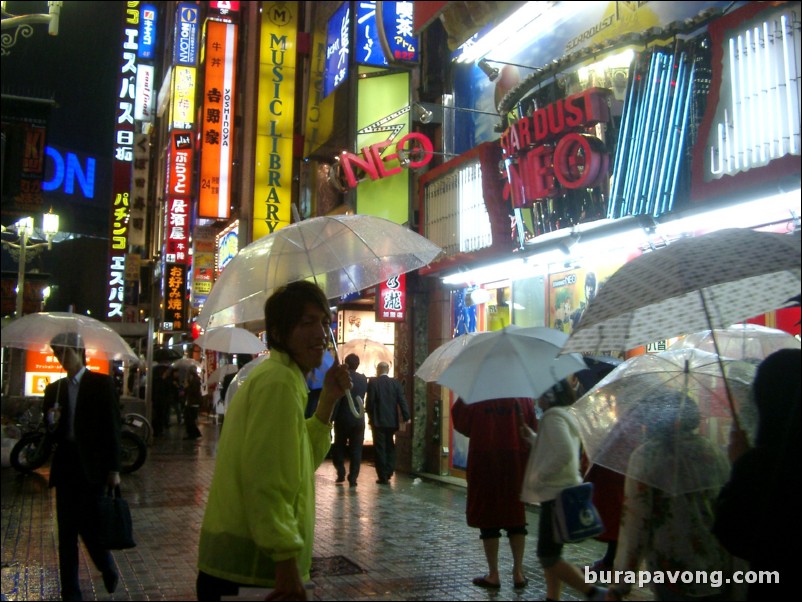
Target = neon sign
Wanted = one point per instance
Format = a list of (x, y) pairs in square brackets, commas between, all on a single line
[(548, 148), (375, 166), (67, 170)]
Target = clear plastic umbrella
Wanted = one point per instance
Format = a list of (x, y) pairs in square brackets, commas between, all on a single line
[(231, 339), (343, 254), (35, 331), (241, 376), (649, 396), (370, 353), (750, 342)]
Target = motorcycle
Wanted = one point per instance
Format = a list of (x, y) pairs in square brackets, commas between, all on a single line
[(36, 445)]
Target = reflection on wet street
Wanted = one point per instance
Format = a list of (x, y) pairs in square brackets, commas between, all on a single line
[(405, 541)]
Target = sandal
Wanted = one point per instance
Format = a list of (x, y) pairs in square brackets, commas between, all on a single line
[(482, 582)]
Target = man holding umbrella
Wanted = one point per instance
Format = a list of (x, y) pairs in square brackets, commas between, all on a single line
[(84, 414)]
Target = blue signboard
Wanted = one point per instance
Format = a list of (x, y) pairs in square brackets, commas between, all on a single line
[(338, 48), (397, 22), (185, 50), (147, 32)]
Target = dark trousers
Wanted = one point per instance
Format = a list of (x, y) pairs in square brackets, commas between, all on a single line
[(76, 503), (211, 589), (384, 450), (348, 440), (191, 421)]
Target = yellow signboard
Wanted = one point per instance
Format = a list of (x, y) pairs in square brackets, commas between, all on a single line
[(275, 116)]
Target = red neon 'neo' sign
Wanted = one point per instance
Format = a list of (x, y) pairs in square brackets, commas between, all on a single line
[(577, 160), (374, 165)]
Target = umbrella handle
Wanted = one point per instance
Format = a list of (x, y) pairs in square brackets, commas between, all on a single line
[(357, 412)]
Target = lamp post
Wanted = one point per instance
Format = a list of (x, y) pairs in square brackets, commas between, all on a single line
[(25, 230)]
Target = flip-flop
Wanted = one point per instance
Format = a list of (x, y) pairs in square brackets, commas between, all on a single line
[(521, 584), (482, 582)]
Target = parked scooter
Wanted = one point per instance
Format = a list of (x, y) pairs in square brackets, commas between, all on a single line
[(36, 445)]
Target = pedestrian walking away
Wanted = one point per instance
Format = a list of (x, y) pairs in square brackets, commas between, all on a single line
[(497, 456), (349, 430), (385, 400), (83, 412), (553, 466)]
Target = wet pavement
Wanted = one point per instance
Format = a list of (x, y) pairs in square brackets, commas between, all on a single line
[(405, 541)]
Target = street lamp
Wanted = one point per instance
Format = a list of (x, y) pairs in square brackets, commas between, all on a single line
[(23, 24), (25, 230)]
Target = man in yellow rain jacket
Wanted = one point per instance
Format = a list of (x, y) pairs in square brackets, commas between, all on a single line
[(258, 528)]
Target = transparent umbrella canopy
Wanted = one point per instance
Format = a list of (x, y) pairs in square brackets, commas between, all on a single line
[(750, 342), (639, 399), (343, 254), (35, 331)]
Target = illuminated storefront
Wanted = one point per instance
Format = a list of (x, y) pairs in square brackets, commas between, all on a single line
[(595, 161)]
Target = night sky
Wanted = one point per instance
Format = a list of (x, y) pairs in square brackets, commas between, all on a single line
[(78, 70)]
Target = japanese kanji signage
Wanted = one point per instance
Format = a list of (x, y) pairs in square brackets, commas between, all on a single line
[(391, 301), (122, 164), (217, 120)]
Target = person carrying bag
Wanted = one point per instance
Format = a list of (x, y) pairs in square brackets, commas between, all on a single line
[(553, 468), (115, 528)]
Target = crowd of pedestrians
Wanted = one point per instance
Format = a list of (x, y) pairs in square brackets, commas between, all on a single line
[(259, 521)]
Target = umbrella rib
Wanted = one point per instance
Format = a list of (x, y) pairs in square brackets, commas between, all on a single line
[(720, 362)]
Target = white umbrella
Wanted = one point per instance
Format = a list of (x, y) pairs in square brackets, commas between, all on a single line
[(35, 331), (343, 254), (440, 359), (511, 362), (231, 339), (220, 373), (710, 281)]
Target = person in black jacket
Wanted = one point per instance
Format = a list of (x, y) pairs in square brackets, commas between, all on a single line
[(385, 399), (349, 431), (755, 508), (83, 411)]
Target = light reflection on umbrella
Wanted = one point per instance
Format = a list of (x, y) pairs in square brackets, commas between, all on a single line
[(34, 332), (511, 362), (370, 353), (740, 341), (617, 415)]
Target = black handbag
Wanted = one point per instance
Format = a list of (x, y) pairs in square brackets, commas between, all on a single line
[(115, 529)]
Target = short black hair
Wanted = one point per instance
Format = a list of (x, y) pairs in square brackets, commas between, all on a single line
[(285, 308), (352, 361)]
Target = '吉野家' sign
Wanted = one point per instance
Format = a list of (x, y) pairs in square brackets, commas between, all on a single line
[(549, 148)]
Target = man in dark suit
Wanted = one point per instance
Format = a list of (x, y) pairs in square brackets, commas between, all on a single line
[(84, 415), (385, 398), (349, 431)]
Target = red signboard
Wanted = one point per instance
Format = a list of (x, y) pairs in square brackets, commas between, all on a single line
[(391, 304)]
